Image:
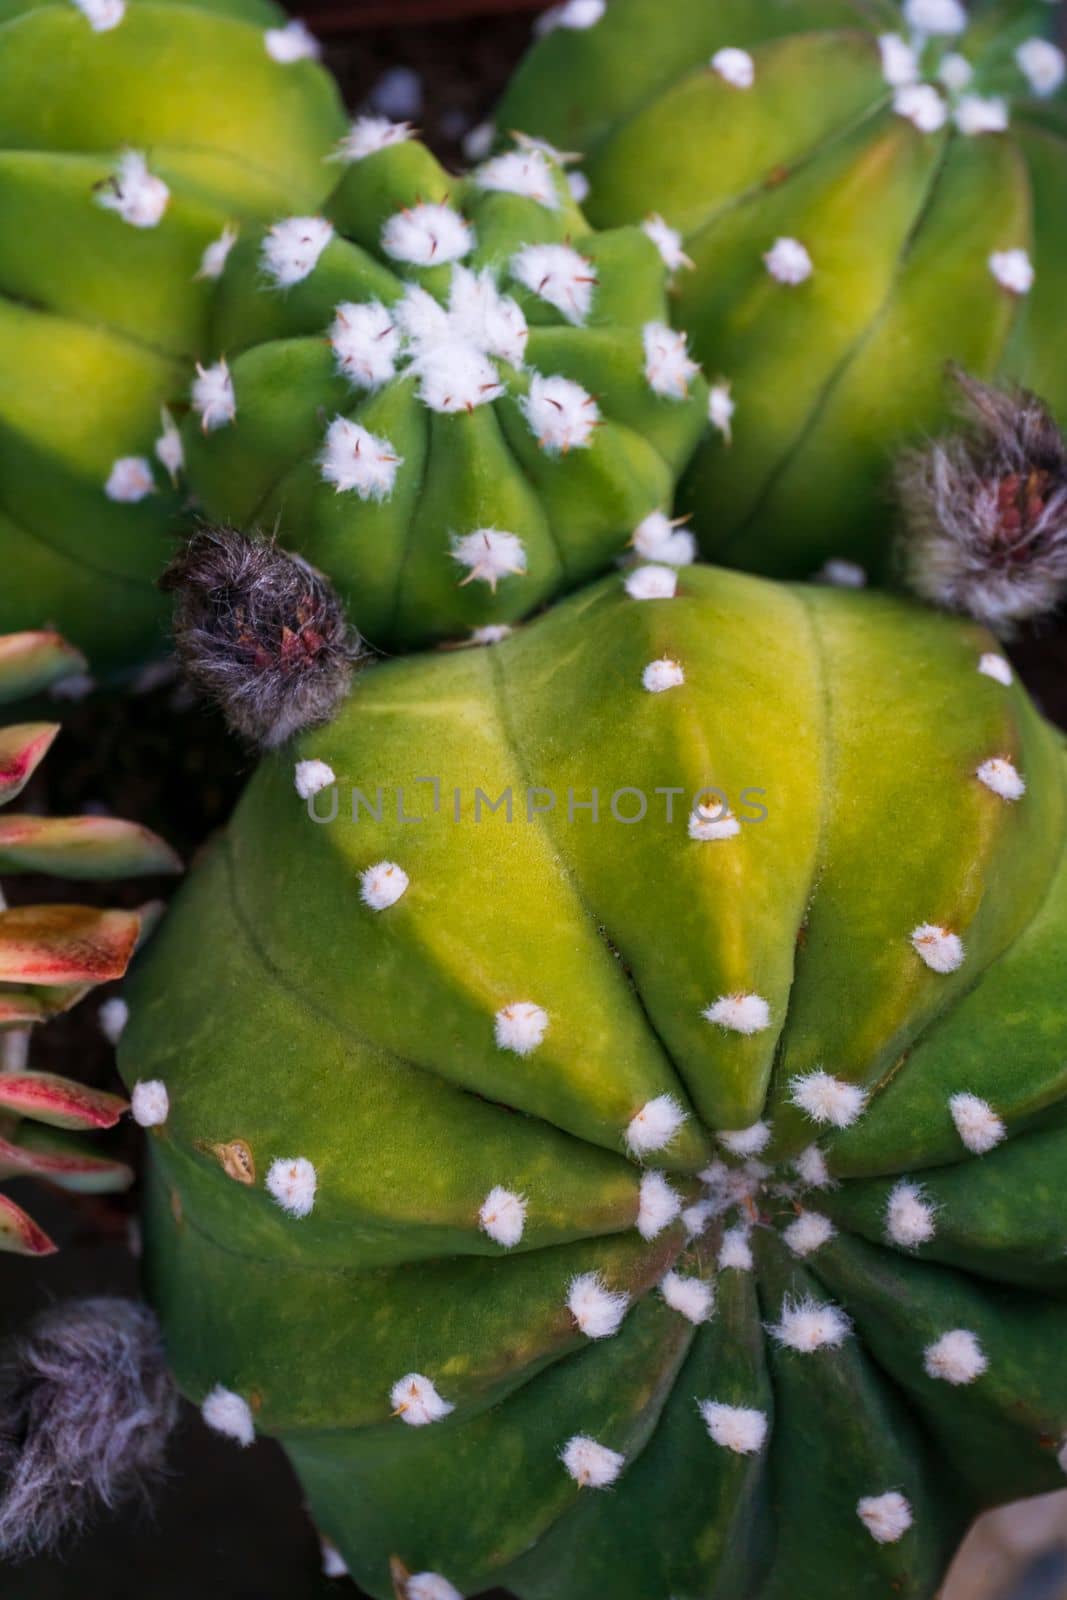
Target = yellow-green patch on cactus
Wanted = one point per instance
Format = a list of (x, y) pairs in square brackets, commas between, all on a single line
[(851, 192), (137, 138), (450, 395), (614, 1102)]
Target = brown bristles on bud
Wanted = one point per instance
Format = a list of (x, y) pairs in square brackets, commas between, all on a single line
[(261, 633), (985, 510)]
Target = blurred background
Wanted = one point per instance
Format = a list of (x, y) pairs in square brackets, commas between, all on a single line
[(229, 1524)]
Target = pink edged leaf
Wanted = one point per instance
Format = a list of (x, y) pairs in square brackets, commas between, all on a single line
[(19, 1234), (22, 749), (30, 662), (60, 1159), (58, 1101), (65, 944), (83, 847)]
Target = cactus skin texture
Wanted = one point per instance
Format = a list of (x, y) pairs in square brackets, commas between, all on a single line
[(348, 1086), (101, 314), (51, 956), (906, 232), (482, 490)]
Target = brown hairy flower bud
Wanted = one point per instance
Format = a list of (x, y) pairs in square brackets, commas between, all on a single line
[(261, 633), (985, 510)]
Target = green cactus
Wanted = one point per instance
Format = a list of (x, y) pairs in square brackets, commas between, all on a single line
[(137, 136), (449, 395), (52, 955), (859, 191), (709, 1147)]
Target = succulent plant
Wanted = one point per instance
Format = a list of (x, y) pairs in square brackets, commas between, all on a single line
[(450, 395), (852, 192), (638, 1067), (138, 139), (52, 955)]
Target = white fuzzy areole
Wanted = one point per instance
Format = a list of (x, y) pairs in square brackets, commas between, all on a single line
[(227, 1413), (520, 1026), (746, 1141), (368, 135), (216, 254), (669, 369), (562, 416), (807, 1325), (658, 1205), (355, 459), (112, 1017), (900, 62), (741, 1429), (788, 262), (722, 408), (150, 1103), (922, 106), (976, 1123), (430, 1586), (523, 172), (292, 1182), (739, 1013), (956, 1358), (735, 67), (810, 1167), (977, 113), (937, 17), (366, 343), (735, 1252), (651, 583), (454, 376), (168, 448), (708, 824), (134, 193), (558, 275), (415, 1400), (955, 72), (129, 480), (293, 42), (503, 1216), (578, 14), (998, 668), (697, 1218), (596, 1309), (489, 555), (942, 950), (808, 1233), (827, 1099), (492, 633), (1013, 270), (212, 396), (659, 538), (291, 249), (102, 15), (909, 1216), (1043, 65), (1003, 777), (311, 777), (691, 1297), (841, 574), (382, 885), (663, 674), (480, 315), (655, 1125), (668, 241), (591, 1465), (887, 1517), (427, 235)]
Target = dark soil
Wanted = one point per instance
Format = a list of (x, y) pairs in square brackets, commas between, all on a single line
[(229, 1525)]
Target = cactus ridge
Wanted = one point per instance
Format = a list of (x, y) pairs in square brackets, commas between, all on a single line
[(590, 1239), (450, 395), (862, 193)]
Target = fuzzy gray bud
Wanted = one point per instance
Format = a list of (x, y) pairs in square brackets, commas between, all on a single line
[(86, 1408), (260, 632), (985, 510)]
